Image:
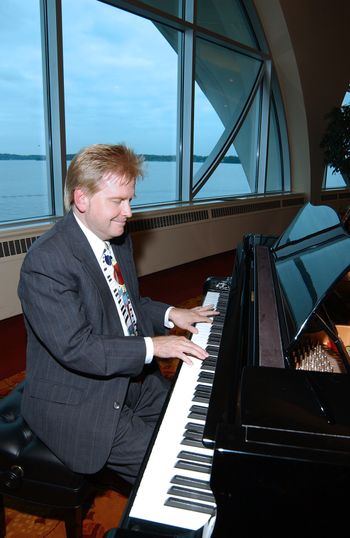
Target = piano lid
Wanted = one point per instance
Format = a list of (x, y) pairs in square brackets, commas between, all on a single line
[(311, 256)]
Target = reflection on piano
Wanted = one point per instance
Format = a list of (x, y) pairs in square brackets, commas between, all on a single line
[(259, 434)]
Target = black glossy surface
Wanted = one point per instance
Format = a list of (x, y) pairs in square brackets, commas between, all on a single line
[(311, 256)]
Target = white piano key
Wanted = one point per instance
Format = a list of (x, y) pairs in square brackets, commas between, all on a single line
[(160, 469)]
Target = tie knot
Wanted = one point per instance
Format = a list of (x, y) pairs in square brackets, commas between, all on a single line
[(107, 253)]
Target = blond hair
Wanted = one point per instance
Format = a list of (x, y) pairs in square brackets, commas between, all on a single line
[(93, 163)]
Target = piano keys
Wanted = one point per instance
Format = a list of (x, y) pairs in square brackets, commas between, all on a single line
[(275, 434), (179, 464)]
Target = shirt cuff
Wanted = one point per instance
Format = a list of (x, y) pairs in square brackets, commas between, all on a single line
[(169, 324), (149, 349)]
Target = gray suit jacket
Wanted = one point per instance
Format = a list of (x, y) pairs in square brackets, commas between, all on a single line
[(78, 362)]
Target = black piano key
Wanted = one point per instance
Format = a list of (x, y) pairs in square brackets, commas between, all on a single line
[(193, 436), (200, 410), (219, 321), (190, 482), (211, 359), (214, 338), (208, 367), (212, 346), (191, 494), (196, 416), (189, 505), (193, 466), (204, 388), (205, 375), (216, 327), (194, 456), (201, 398), (195, 427), (214, 334), (192, 443), (212, 349), (203, 393)]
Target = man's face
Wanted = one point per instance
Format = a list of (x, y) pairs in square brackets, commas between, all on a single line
[(105, 213)]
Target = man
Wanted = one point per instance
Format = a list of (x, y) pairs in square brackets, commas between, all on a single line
[(93, 392)]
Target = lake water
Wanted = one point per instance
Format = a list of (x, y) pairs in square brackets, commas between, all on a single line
[(25, 192)]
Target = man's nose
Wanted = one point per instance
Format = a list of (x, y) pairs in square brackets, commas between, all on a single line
[(127, 208)]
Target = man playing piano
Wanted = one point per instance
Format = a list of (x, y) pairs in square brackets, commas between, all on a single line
[(93, 391)]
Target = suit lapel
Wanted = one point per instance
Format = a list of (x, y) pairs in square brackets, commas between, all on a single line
[(83, 252)]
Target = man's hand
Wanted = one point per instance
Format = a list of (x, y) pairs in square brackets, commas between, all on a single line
[(185, 318), (166, 347)]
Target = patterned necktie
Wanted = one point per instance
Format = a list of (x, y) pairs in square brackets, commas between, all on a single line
[(119, 291)]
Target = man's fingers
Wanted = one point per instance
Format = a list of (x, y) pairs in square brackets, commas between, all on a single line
[(177, 347)]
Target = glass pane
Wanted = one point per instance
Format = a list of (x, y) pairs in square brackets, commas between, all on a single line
[(208, 127), (228, 179), (174, 7), (334, 180), (227, 18), (121, 86), (224, 83), (24, 189), (274, 173), (237, 172), (246, 144)]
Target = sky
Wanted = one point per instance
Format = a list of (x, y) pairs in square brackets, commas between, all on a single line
[(120, 80)]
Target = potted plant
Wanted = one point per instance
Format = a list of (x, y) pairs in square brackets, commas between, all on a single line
[(336, 141)]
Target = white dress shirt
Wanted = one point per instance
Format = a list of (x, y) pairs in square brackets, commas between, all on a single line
[(98, 247)]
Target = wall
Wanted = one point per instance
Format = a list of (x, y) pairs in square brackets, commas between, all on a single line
[(309, 44)]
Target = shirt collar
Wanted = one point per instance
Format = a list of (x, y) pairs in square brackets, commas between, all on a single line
[(95, 242)]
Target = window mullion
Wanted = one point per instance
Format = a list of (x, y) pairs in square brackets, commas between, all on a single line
[(51, 23), (187, 116), (264, 128)]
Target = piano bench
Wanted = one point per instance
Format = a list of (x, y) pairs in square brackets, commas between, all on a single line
[(31, 473)]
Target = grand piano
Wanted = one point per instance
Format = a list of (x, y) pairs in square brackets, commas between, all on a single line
[(257, 437)]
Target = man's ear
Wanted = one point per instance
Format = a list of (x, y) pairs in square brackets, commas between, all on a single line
[(81, 199)]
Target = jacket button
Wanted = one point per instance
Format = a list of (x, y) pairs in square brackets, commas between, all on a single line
[(116, 405)]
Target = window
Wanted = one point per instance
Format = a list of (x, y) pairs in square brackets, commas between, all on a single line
[(25, 187), (188, 84), (225, 80), (332, 179), (120, 79)]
